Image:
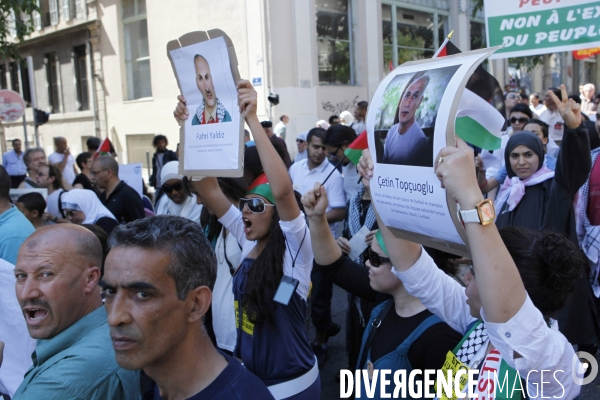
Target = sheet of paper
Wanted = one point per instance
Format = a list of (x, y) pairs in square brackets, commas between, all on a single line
[(357, 243)]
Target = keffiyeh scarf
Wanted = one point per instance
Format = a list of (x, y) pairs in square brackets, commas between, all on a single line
[(220, 111)]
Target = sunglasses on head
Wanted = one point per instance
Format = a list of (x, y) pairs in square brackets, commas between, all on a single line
[(520, 120), (169, 188), (255, 205), (376, 260)]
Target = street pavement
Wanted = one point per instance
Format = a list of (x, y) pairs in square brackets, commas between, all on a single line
[(330, 388)]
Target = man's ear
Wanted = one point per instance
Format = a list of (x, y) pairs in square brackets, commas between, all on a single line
[(200, 298), (93, 276), (35, 213)]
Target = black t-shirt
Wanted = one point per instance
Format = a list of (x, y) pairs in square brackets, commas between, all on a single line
[(106, 223), (124, 203), (427, 352), (234, 383)]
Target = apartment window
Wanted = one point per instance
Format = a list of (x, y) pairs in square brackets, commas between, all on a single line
[(477, 35), (80, 8), (334, 42), (137, 55), (14, 77), (3, 80), (81, 76), (67, 9), (410, 34), (53, 4), (53, 84), (15, 84)]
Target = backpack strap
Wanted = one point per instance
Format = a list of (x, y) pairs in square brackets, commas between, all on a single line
[(373, 328), (423, 326)]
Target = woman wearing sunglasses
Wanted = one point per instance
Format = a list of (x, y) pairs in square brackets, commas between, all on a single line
[(401, 333), (271, 285), (176, 202), (522, 278)]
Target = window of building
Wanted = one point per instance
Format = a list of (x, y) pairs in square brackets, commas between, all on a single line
[(15, 83), (14, 77), (410, 34), (53, 4), (67, 10), (53, 83), (26, 93), (334, 42), (137, 55), (477, 35), (81, 76), (3, 80)]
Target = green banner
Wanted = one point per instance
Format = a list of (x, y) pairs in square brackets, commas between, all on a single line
[(546, 30)]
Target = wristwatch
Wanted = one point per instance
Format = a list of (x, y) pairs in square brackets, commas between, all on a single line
[(483, 213)]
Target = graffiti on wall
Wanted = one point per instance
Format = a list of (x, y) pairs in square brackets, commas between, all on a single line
[(337, 108)]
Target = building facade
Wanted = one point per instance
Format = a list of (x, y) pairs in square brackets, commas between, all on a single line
[(101, 67)]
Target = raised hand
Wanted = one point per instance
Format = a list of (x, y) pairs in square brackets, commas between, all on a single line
[(365, 168), (315, 201), (247, 98), (455, 167), (181, 112), (569, 110)]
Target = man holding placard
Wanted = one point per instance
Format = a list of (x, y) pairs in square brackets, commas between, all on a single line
[(211, 110)]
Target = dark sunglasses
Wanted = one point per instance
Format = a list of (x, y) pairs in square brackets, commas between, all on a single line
[(299, 141), (521, 120), (169, 188), (376, 260), (255, 205)]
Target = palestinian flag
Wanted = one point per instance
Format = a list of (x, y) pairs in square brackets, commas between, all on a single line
[(104, 149), (475, 121), (478, 122), (354, 151)]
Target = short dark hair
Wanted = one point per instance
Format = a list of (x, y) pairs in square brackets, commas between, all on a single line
[(83, 158), (266, 124), (5, 184), (537, 96), (109, 163), (557, 92), (520, 107), (282, 117), (363, 104), (543, 126), (338, 135), (193, 261), (524, 97), (159, 137), (33, 202), (54, 171), (29, 152), (15, 140), (246, 133), (333, 118), (316, 132), (93, 143), (575, 98)]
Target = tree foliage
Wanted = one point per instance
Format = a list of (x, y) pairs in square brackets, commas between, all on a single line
[(16, 22)]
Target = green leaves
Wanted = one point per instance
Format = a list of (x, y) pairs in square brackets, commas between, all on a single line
[(16, 22)]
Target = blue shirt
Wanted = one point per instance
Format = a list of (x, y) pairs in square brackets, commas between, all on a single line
[(14, 163), (235, 382), (79, 364), (14, 229)]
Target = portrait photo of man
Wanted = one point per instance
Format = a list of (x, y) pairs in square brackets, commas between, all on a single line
[(210, 110), (406, 143)]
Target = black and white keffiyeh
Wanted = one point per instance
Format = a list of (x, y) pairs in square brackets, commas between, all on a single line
[(220, 111), (357, 217), (472, 344)]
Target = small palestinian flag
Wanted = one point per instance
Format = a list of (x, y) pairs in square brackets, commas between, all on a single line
[(354, 151), (478, 122), (446, 49), (261, 187), (104, 149)]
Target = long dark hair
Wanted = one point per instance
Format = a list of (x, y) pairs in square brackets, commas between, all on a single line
[(549, 264), (266, 273)]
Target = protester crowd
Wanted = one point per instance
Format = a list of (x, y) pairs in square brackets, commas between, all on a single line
[(207, 289)]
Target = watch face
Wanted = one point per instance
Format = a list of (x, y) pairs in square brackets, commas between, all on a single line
[(487, 213)]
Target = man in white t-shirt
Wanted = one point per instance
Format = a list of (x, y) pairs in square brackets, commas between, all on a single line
[(551, 116), (64, 160), (535, 104), (304, 174)]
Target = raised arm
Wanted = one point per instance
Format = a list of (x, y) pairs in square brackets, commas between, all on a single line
[(275, 169), (498, 281)]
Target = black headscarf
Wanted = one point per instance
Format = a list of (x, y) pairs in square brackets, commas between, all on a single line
[(527, 139)]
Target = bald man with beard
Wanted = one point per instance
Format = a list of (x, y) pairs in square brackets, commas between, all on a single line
[(57, 274)]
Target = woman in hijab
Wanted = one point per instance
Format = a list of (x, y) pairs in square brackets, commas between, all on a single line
[(82, 206), (534, 197), (176, 201)]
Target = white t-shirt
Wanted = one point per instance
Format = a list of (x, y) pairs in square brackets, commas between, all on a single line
[(223, 311), (351, 183), (18, 345), (68, 172), (304, 180), (556, 125)]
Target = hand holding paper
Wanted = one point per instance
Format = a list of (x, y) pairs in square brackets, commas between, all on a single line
[(365, 167), (247, 99), (344, 245), (181, 112)]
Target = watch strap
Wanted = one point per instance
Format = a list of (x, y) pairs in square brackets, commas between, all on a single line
[(469, 216)]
